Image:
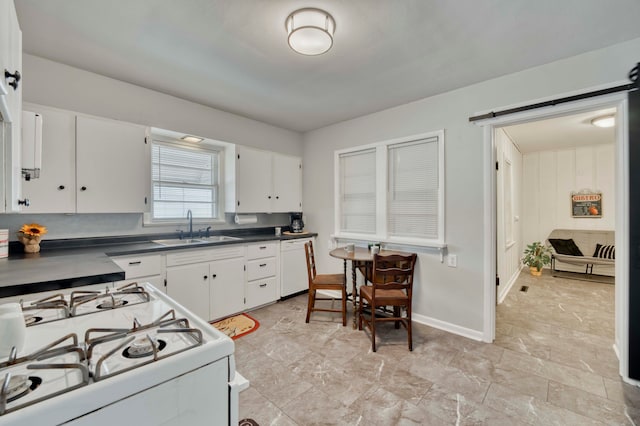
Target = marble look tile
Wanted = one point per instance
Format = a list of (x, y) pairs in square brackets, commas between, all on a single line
[(451, 378), (622, 392), (530, 410), (255, 406), (523, 382), (550, 370), (589, 405), (317, 408), (453, 408)]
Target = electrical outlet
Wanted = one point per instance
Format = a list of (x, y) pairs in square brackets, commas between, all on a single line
[(452, 260)]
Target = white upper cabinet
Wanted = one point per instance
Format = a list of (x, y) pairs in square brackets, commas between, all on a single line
[(11, 84), (264, 182), (55, 190), (89, 165), (287, 183), (112, 166)]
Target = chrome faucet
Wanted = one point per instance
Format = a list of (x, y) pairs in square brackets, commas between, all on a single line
[(190, 218)]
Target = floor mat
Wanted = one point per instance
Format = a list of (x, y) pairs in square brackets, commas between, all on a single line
[(237, 325)]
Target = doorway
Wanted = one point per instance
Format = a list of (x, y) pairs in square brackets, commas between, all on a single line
[(619, 103)]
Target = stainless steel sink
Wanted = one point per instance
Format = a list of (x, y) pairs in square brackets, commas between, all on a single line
[(219, 239), (179, 242), (193, 241)]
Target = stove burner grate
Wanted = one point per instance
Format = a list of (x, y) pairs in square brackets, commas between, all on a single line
[(32, 319), (111, 304)]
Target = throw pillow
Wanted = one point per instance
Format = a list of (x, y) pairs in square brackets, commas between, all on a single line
[(568, 247), (605, 252)]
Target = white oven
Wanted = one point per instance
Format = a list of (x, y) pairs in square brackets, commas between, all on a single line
[(130, 356)]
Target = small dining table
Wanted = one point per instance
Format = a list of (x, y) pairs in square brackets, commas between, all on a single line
[(362, 259)]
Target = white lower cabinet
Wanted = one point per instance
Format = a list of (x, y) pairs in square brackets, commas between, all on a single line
[(262, 274), (208, 282), (141, 268), (226, 294), (189, 286)]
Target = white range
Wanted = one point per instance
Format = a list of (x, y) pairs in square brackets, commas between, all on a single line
[(131, 356)]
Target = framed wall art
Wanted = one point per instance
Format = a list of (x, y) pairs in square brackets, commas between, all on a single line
[(586, 204)]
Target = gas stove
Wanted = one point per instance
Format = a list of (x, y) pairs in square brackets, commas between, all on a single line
[(92, 353)]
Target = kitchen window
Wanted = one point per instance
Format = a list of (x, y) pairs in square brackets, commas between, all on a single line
[(392, 191), (184, 178)]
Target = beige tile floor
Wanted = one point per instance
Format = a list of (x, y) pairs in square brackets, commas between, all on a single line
[(552, 363)]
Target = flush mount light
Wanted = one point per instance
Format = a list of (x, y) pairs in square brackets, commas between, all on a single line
[(310, 31), (604, 121), (192, 139)]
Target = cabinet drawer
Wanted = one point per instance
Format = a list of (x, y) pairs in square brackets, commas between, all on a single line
[(261, 268), (257, 251), (260, 292), (139, 266)]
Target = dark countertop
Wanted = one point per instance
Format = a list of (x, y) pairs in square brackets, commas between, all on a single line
[(76, 262)]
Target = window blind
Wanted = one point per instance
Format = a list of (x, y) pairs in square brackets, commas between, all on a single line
[(358, 192), (413, 189), (184, 179)]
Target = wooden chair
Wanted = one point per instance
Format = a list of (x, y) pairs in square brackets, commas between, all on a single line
[(391, 285), (323, 282)]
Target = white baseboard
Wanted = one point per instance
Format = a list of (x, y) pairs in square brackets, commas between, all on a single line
[(447, 326), (502, 295)]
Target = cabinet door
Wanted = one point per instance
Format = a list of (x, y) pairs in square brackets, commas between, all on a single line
[(253, 180), (227, 287), (10, 154), (112, 166), (287, 183), (189, 286), (55, 190)]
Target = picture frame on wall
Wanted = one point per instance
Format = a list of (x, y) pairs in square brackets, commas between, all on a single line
[(586, 204)]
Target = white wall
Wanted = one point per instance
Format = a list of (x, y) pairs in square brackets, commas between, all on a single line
[(53, 84), (549, 179), (508, 247), (451, 297)]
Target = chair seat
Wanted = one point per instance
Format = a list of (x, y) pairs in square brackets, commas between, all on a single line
[(382, 295), (336, 280)]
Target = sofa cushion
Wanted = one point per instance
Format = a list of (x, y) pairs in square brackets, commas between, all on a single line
[(605, 251), (567, 247)]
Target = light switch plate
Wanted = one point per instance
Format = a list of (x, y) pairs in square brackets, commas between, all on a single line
[(452, 260)]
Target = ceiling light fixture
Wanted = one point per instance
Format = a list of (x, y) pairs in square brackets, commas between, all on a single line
[(604, 121), (310, 31), (192, 139)]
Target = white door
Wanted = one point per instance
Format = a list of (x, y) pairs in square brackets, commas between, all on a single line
[(112, 166), (227, 287), (287, 183), (189, 286)]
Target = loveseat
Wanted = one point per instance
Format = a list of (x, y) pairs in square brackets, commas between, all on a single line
[(589, 252)]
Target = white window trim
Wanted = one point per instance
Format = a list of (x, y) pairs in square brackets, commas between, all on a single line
[(381, 194), (148, 219)]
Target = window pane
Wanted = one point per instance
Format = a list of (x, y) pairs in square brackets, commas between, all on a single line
[(358, 192), (184, 179), (413, 197)]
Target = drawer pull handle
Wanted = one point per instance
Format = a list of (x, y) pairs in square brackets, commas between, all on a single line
[(263, 285), (136, 262), (262, 265), (263, 247), (214, 276)]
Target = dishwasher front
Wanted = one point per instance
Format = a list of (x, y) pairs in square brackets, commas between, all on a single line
[(293, 267)]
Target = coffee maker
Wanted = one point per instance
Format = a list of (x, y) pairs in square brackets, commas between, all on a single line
[(297, 225)]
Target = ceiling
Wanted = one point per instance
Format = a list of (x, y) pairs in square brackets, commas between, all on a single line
[(562, 132), (233, 55)]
